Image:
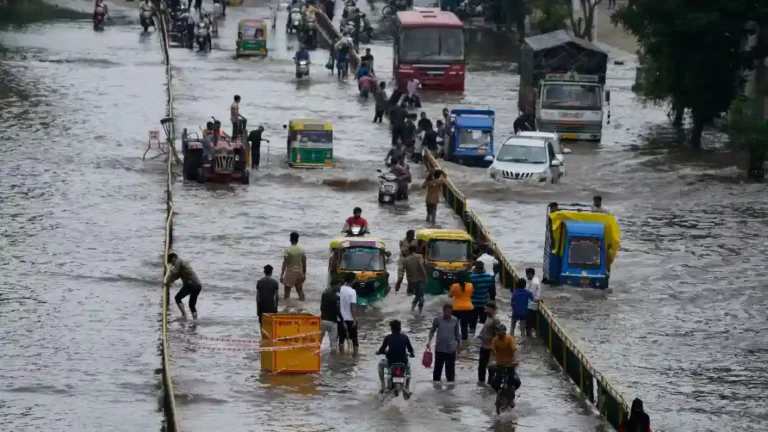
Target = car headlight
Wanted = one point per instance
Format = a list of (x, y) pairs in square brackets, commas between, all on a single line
[(435, 273)]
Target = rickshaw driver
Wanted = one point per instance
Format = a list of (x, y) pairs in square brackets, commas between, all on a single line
[(356, 220)]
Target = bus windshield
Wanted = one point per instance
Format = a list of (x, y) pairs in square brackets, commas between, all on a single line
[(584, 253), (571, 96), (362, 259), (431, 44), (448, 250)]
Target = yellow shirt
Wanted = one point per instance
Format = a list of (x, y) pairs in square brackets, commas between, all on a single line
[(504, 350), (462, 301), (293, 257)]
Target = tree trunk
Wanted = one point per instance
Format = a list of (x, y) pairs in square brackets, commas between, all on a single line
[(589, 19), (679, 112), (697, 131), (755, 171)]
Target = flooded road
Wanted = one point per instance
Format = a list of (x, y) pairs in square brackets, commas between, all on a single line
[(82, 233)]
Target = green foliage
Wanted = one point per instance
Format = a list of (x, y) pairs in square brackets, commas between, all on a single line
[(29, 11), (748, 128), (693, 51), (549, 16)]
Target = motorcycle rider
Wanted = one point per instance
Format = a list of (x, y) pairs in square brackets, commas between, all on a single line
[(395, 346), (395, 154), (504, 352), (301, 54), (403, 178), (356, 220)]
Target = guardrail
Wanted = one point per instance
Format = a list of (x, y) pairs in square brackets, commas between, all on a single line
[(169, 401), (592, 384), (331, 35)]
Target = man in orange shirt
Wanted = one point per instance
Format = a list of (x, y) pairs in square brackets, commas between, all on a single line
[(434, 186), (504, 351)]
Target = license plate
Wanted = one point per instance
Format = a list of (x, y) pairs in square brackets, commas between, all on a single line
[(398, 380), (584, 281), (570, 136), (431, 82)]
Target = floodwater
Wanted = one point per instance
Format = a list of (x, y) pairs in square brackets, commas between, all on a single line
[(82, 234)]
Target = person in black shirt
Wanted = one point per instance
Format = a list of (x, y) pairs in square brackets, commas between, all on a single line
[(395, 346), (397, 117), (409, 132), (424, 122), (267, 289), (255, 139), (330, 314), (430, 141), (368, 59)]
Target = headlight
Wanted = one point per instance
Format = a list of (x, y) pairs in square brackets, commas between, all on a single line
[(435, 273)]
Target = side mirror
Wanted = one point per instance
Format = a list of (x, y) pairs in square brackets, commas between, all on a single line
[(555, 163), (566, 150), (285, 126), (489, 158), (608, 96)]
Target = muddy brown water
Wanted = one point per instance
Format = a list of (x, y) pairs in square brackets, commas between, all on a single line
[(82, 230)]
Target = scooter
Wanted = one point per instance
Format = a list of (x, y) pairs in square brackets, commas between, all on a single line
[(203, 37), (302, 68), (146, 20), (294, 20), (387, 187), (397, 376)]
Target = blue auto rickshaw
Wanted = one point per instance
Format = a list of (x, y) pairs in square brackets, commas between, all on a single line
[(471, 141), (580, 246)]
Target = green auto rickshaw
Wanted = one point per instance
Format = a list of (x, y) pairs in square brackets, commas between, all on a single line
[(310, 144), (447, 253), (251, 38), (366, 257)]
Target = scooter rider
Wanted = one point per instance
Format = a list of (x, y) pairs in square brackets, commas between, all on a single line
[(356, 220), (395, 346), (403, 178), (395, 153), (302, 54)]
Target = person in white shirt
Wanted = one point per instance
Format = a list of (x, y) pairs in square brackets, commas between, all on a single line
[(597, 205), (348, 308), (534, 286), (412, 92), (489, 262)]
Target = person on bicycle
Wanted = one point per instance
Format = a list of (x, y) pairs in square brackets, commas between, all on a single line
[(394, 347), (504, 351)]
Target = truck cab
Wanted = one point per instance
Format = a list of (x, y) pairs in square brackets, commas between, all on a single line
[(580, 247)]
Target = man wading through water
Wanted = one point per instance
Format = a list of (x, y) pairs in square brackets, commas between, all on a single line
[(294, 268), (267, 290), (434, 186), (417, 277), (235, 117), (190, 283), (405, 248)]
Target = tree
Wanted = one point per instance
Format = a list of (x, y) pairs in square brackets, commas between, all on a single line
[(582, 26), (693, 52), (551, 16)]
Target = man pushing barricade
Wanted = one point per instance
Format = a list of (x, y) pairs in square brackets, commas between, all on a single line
[(180, 269)]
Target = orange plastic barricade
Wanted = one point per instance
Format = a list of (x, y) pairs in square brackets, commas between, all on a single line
[(291, 343)]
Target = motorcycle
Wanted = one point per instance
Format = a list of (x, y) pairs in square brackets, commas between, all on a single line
[(146, 19), (203, 37), (294, 20), (302, 68), (98, 17), (505, 396), (394, 7), (387, 188), (396, 378)]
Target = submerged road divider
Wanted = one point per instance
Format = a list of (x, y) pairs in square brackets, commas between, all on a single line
[(169, 401), (592, 384)]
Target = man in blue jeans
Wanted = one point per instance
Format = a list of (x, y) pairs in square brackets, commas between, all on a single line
[(417, 276)]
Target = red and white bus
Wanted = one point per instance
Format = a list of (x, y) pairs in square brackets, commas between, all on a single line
[(429, 45)]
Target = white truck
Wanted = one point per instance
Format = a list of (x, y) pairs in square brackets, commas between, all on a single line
[(562, 82)]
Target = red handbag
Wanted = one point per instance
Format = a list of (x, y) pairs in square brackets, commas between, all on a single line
[(426, 359)]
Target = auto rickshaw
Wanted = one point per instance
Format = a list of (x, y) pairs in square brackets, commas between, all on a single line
[(251, 38), (309, 143), (447, 253), (366, 257)]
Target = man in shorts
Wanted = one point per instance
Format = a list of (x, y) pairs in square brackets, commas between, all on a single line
[(294, 268), (434, 186), (405, 247), (348, 309), (191, 286)]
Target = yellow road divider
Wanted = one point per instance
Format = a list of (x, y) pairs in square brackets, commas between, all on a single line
[(169, 401), (592, 384)]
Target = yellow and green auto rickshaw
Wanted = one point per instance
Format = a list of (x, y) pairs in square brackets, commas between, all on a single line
[(447, 253), (366, 257), (251, 38), (310, 143)]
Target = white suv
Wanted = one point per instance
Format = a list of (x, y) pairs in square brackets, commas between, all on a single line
[(528, 159), (552, 137)]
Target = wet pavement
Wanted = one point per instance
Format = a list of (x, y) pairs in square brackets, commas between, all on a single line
[(86, 223)]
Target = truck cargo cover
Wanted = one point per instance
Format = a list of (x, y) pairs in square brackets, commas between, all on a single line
[(560, 52)]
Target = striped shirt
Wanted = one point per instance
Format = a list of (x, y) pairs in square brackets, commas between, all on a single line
[(484, 284)]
